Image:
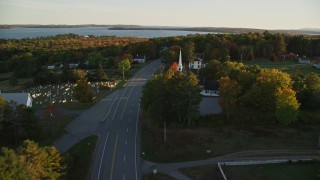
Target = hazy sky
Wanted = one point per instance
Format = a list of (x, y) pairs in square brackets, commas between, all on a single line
[(266, 14)]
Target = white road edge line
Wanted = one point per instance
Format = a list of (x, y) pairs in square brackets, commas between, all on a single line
[(135, 144), (104, 118), (104, 148)]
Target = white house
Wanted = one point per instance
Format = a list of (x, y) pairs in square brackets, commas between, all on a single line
[(139, 59), (196, 64), (19, 98)]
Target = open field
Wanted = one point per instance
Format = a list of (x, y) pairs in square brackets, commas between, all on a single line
[(192, 143), (273, 171), (255, 172), (158, 176), (287, 66), (203, 172)]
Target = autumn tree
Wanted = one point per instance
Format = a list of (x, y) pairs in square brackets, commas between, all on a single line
[(287, 106), (31, 162), (269, 83), (228, 90), (174, 66), (124, 66), (10, 167)]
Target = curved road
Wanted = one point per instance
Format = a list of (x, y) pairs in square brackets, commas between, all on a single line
[(116, 120)]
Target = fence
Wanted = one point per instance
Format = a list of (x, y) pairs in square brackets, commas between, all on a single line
[(257, 162)]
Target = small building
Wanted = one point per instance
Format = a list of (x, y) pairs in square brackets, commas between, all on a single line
[(73, 64), (51, 67), (139, 59), (304, 60), (317, 66), (19, 98), (210, 88)]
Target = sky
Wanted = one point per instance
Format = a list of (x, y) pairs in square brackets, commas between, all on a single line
[(267, 14)]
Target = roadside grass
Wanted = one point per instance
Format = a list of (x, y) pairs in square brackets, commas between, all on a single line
[(5, 85), (273, 171), (158, 176), (191, 143), (79, 158), (203, 172), (59, 125)]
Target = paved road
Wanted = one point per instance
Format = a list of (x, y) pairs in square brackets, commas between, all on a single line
[(116, 120)]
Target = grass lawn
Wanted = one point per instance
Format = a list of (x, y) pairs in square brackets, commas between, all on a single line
[(203, 172), (273, 171), (158, 176), (80, 156), (58, 129), (287, 66), (191, 144)]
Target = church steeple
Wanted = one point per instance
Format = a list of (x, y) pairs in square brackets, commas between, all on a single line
[(180, 62)]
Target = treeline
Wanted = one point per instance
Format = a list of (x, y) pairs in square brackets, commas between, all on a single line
[(247, 46), (28, 57)]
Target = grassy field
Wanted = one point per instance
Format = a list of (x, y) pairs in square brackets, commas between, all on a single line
[(80, 156), (256, 172), (287, 66), (60, 122), (273, 171), (158, 176), (191, 144), (203, 172)]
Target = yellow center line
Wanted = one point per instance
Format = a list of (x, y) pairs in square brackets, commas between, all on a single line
[(114, 153)]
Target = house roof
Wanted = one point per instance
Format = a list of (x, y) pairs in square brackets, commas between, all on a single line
[(210, 84), (19, 98)]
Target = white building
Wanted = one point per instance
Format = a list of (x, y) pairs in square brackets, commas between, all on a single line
[(73, 65), (304, 61), (51, 67), (18, 98), (196, 64), (139, 59)]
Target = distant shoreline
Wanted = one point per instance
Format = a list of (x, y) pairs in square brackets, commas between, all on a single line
[(172, 28)]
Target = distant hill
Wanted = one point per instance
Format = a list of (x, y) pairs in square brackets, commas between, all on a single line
[(307, 31)]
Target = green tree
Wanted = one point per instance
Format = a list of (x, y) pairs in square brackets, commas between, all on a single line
[(228, 90), (83, 91), (287, 106), (280, 45), (177, 97), (310, 95), (101, 74), (188, 52), (124, 66)]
